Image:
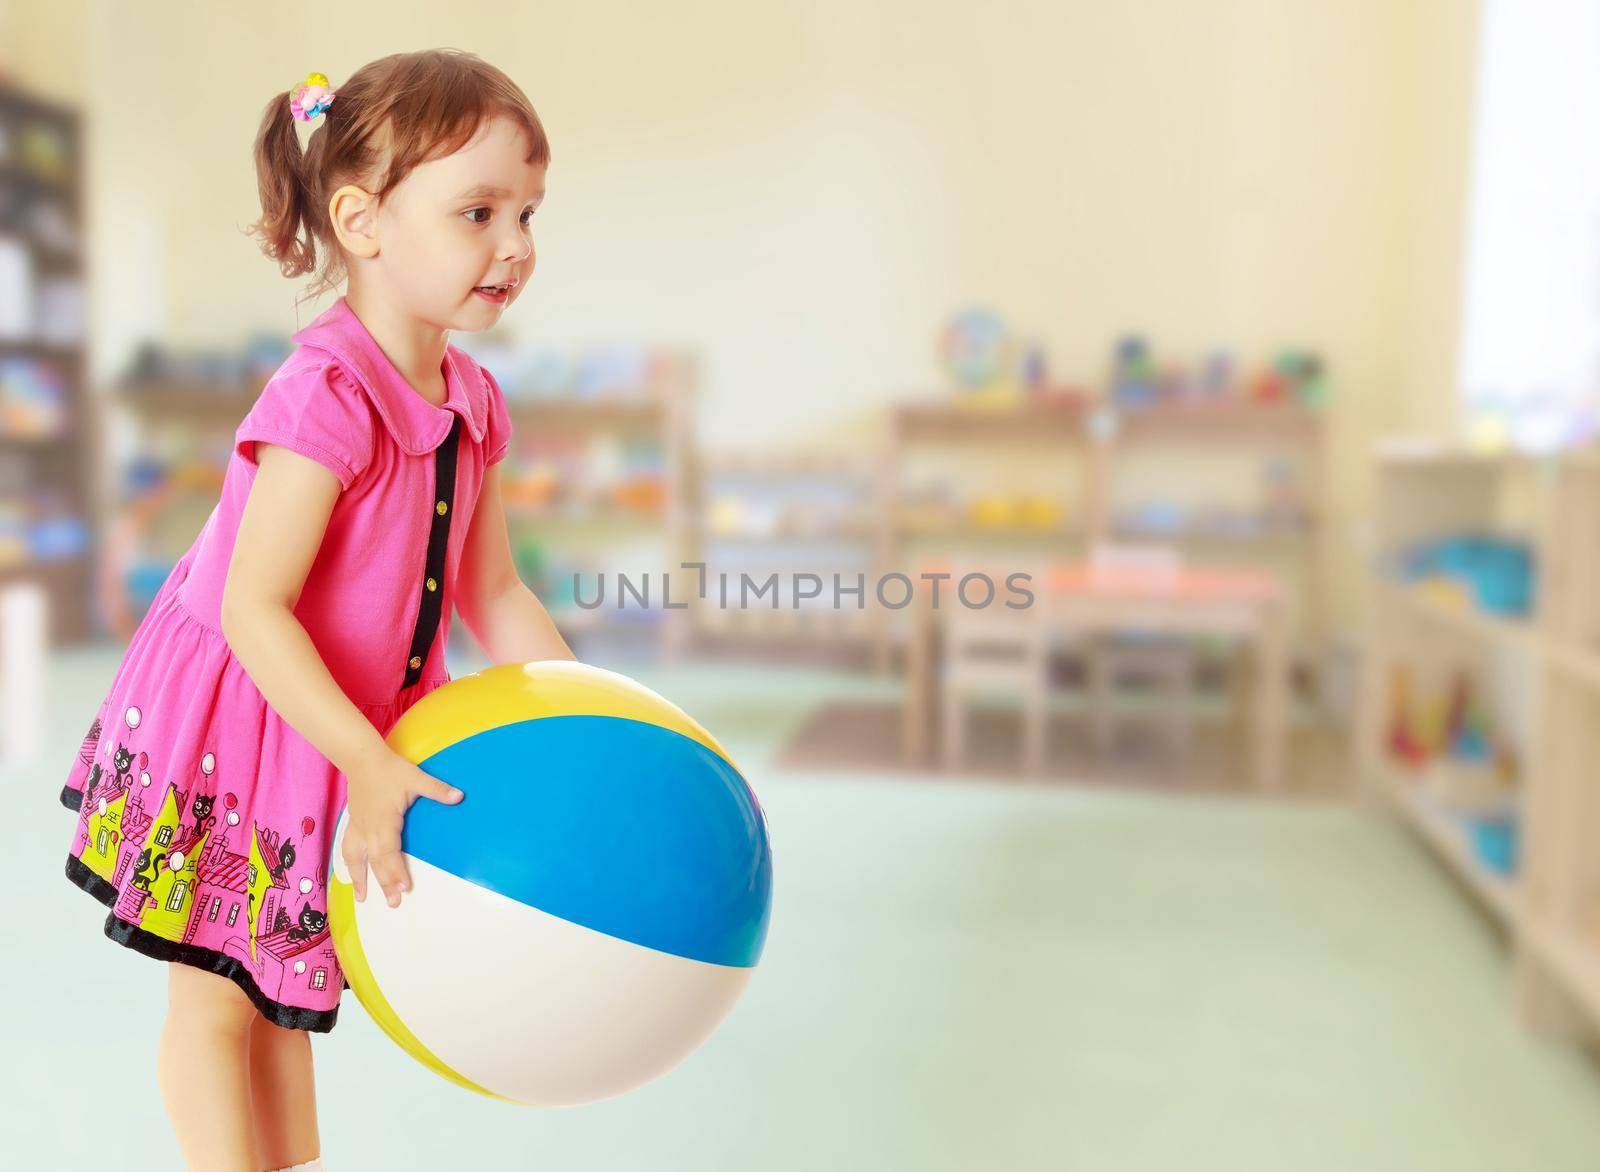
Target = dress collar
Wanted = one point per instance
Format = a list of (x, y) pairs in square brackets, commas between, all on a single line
[(416, 424)]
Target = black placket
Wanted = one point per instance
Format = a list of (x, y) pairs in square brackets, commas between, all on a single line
[(432, 584)]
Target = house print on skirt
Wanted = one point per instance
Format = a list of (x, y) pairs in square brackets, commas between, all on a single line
[(189, 878), (204, 819)]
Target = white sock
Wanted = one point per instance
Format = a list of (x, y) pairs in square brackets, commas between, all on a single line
[(312, 1165)]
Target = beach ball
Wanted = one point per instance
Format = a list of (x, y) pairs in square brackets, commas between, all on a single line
[(587, 914)]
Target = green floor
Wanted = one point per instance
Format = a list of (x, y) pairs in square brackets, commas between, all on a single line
[(958, 976)]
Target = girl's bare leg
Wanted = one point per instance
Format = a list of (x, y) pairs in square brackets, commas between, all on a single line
[(203, 1065), (283, 1095)]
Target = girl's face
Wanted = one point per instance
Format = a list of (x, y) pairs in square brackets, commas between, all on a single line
[(458, 226)]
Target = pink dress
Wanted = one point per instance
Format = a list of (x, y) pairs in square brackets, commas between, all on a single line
[(203, 817)]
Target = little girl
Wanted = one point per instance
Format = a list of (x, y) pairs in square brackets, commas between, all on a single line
[(360, 504)]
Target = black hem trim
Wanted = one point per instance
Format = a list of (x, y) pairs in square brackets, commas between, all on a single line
[(289, 1017), (72, 799), (432, 607)]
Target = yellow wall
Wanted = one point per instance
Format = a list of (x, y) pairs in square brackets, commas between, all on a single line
[(807, 190)]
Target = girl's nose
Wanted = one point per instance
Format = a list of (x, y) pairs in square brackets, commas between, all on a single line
[(517, 247)]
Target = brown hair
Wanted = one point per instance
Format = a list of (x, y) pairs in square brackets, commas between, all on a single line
[(386, 118)]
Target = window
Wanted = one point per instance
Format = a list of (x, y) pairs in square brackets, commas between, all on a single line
[(319, 978), (233, 913), (100, 843), (252, 874), (216, 902), (175, 900), (164, 836), (1530, 347)]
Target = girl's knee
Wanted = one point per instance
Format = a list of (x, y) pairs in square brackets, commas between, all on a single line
[(205, 998)]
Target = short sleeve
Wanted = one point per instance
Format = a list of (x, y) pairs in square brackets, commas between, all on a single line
[(497, 431), (318, 411)]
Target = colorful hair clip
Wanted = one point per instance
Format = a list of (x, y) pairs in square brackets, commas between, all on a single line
[(311, 97)]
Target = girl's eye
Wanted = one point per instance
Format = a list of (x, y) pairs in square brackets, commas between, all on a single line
[(472, 213), (527, 215)]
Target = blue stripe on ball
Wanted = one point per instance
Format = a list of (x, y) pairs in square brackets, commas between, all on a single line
[(618, 825)]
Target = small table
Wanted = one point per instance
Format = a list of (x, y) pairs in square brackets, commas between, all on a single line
[(1243, 603)]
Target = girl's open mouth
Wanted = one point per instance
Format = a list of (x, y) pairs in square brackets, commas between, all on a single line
[(494, 293)]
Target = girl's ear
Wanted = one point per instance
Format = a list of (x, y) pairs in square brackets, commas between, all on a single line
[(353, 212)]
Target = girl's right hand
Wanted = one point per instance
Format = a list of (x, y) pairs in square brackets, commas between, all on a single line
[(379, 796)]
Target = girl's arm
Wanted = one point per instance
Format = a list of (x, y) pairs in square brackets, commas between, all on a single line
[(280, 531), (509, 622)]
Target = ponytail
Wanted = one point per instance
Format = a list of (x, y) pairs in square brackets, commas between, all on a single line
[(285, 233), (391, 115)]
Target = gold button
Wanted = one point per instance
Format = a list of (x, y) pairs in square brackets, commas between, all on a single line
[(432, 585), (440, 508), (416, 662)]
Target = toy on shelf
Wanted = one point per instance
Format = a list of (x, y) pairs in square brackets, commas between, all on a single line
[(1133, 376), (1286, 500), (557, 472), (32, 399), (1060, 397), (1035, 376), (979, 354), (806, 498), (44, 150), (1492, 574), (611, 373), (1217, 378), (1404, 743), (1467, 769), (218, 369), (1494, 840), (1294, 377), (42, 526)]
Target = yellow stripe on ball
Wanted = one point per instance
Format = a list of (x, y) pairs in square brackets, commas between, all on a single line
[(495, 697)]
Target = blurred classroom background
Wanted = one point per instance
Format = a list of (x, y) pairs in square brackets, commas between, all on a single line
[(1264, 337)]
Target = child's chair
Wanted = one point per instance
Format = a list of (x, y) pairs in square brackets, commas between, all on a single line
[(1164, 662), (995, 650)]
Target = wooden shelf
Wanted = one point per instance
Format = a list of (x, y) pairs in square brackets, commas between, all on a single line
[(844, 533), (1443, 832), (1215, 535), (37, 443), (597, 412), (210, 404), (610, 517), (1425, 494), (780, 467), (1475, 624), (945, 421), (970, 531), (1574, 959), (15, 571), (1097, 442), (31, 181), (48, 351), (1245, 422), (1576, 663), (1448, 458), (67, 462)]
